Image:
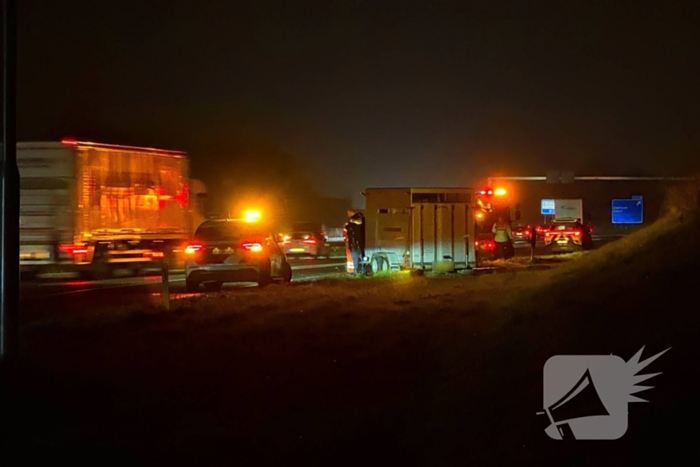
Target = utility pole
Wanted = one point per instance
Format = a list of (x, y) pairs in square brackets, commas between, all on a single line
[(9, 194)]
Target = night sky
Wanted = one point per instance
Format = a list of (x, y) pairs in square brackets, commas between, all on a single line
[(358, 94)]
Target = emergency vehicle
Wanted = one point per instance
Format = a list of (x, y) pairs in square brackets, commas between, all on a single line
[(567, 235), (490, 204)]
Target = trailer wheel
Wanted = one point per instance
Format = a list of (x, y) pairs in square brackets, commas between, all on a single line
[(378, 264)]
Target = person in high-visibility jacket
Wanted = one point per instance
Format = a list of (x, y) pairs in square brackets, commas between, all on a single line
[(503, 236)]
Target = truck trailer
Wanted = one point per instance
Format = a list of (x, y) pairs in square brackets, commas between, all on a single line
[(91, 208), (419, 228)]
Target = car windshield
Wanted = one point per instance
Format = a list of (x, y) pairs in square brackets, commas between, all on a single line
[(224, 231), (301, 235)]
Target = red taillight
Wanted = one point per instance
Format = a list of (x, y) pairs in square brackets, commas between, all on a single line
[(73, 249), (156, 254), (193, 248), (310, 241), (252, 246)]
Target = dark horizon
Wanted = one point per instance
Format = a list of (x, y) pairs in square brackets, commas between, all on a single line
[(340, 97)]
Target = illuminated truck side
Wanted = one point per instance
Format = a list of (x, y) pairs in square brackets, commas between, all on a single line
[(92, 208), (419, 228)]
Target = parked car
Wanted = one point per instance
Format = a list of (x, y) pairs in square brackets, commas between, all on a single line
[(234, 250)]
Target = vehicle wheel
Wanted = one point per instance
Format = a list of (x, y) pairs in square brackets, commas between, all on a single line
[(100, 268), (264, 276), (191, 286), (378, 264), (286, 273), (213, 286)]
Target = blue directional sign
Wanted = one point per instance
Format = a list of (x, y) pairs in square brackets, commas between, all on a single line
[(628, 211), (548, 208)]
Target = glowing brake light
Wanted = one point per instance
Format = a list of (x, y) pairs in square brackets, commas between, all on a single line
[(193, 248), (252, 246), (309, 241), (73, 249), (499, 192)]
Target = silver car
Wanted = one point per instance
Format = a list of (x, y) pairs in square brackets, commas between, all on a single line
[(234, 250), (305, 244)]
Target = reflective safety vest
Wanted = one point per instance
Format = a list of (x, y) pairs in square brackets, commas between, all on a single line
[(502, 233)]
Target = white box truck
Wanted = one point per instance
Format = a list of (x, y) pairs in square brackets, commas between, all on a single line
[(92, 208), (419, 228), (568, 209)]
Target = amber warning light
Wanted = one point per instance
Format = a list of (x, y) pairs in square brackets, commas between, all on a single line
[(491, 192), (252, 216)]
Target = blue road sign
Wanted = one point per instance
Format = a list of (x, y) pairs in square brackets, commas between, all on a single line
[(627, 211), (547, 208)]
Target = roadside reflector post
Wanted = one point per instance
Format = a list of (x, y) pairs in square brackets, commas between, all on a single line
[(165, 282)]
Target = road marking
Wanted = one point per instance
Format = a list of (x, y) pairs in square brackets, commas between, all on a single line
[(317, 266)]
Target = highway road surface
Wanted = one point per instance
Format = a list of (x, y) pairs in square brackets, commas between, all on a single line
[(134, 290), (67, 293)]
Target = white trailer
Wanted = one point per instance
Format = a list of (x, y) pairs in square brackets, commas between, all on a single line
[(419, 228)]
